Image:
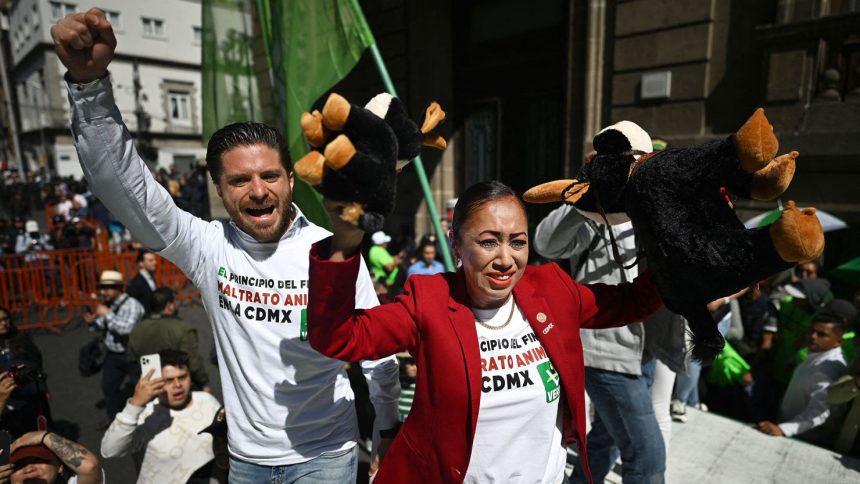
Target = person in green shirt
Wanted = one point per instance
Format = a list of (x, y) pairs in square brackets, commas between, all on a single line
[(383, 266)]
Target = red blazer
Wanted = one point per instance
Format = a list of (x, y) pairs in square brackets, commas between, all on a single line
[(433, 321)]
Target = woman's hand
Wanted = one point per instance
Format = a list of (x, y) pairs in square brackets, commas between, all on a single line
[(347, 237), (7, 385)]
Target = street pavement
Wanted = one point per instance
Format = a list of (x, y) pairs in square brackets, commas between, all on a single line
[(711, 449)]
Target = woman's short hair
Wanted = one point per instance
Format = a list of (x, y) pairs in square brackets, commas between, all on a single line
[(475, 197)]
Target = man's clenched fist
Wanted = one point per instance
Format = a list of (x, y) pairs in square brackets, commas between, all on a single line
[(85, 44)]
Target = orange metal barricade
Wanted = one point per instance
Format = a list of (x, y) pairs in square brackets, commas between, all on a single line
[(51, 288)]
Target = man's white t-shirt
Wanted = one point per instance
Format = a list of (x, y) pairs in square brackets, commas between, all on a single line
[(285, 402), (518, 438)]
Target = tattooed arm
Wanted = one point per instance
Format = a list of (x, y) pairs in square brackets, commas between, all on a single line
[(74, 455)]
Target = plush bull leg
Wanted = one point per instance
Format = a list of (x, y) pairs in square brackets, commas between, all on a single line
[(312, 126), (772, 180), (335, 112), (797, 234), (339, 152), (556, 191), (756, 142), (311, 168)]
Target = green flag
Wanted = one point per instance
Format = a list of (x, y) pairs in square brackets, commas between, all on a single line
[(313, 44), (230, 92)]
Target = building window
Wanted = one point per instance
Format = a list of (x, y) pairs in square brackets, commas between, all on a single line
[(179, 107), (114, 19), (153, 27), (198, 35), (35, 16), (60, 9)]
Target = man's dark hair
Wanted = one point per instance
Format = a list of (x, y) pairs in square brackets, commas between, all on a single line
[(243, 134), (839, 327), (161, 297), (141, 253), (475, 197), (175, 358), (419, 252)]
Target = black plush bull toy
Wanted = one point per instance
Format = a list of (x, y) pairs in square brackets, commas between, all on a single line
[(357, 152), (678, 202)]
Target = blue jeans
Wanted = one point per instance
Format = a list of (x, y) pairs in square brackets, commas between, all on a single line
[(119, 376), (333, 468), (687, 383), (624, 417)]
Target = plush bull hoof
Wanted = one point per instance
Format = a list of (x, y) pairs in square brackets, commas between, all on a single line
[(567, 191), (335, 112), (352, 213), (432, 117), (797, 234), (433, 140), (311, 168), (756, 142), (772, 180), (312, 126), (339, 152)]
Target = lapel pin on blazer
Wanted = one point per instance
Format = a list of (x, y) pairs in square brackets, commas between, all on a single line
[(541, 317)]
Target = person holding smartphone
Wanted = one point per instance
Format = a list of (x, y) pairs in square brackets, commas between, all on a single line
[(177, 452)]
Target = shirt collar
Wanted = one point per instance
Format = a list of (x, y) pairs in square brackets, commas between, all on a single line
[(830, 354)]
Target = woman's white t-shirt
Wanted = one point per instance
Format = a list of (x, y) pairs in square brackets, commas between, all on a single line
[(518, 438)]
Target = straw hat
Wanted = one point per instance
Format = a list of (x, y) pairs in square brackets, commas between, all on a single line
[(111, 279)]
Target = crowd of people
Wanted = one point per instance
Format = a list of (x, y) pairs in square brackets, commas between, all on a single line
[(498, 359)]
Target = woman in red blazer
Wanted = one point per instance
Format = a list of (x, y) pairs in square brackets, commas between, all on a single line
[(499, 391)]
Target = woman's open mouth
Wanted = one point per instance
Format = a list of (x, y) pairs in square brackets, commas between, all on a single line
[(501, 278)]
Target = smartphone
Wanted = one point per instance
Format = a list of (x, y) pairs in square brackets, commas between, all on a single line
[(150, 362), (5, 443)]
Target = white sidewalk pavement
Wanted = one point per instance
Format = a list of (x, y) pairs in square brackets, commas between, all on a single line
[(710, 449)]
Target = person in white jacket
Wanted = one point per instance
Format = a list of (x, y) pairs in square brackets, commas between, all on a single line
[(290, 409), (161, 423), (624, 417)]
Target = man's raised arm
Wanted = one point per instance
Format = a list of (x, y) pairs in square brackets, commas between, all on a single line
[(85, 44)]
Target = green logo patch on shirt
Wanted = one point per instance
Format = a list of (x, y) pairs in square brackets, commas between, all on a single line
[(303, 330), (550, 380), (222, 271)]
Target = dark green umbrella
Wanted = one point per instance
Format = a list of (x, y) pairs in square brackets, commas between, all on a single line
[(848, 273)]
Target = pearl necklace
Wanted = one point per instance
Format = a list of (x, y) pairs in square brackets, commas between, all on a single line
[(501, 326)]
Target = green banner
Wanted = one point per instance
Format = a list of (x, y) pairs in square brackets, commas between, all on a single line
[(313, 45), (230, 91)]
